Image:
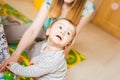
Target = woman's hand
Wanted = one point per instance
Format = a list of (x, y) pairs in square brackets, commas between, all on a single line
[(13, 58), (68, 48), (9, 65)]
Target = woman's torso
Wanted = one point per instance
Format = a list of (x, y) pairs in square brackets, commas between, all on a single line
[(88, 9)]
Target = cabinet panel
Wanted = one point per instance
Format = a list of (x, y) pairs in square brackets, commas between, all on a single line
[(108, 17)]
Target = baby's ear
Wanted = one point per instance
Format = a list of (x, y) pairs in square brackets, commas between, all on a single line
[(47, 31)]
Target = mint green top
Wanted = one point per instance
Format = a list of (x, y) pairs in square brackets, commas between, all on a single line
[(88, 9)]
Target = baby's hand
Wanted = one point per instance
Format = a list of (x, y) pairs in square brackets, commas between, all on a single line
[(9, 65), (13, 58)]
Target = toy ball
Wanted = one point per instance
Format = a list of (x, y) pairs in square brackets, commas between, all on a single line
[(8, 76)]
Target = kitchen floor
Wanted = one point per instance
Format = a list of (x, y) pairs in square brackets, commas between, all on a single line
[(101, 49)]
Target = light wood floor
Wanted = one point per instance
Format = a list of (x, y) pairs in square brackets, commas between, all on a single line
[(101, 49), (103, 56)]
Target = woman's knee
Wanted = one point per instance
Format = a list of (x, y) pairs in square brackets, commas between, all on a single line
[(14, 32)]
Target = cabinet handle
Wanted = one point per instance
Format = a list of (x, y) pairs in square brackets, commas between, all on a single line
[(115, 6)]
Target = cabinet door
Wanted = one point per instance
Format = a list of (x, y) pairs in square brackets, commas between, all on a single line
[(108, 17)]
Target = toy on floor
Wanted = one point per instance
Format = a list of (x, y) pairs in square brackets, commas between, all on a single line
[(8, 76), (73, 58)]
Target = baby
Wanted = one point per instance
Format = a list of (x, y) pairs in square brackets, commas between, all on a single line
[(48, 57)]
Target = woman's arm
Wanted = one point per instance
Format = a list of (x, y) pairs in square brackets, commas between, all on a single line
[(33, 31), (29, 35), (88, 11), (82, 23)]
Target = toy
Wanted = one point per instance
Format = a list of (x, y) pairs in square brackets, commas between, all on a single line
[(7, 10), (8, 76), (24, 60), (73, 58), (38, 3)]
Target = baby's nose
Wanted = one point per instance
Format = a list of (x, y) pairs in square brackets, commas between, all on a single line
[(62, 32)]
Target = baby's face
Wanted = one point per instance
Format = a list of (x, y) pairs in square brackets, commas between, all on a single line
[(61, 32)]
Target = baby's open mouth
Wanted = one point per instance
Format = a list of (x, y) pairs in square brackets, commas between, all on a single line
[(59, 37)]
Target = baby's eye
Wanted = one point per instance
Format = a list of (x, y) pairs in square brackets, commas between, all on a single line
[(60, 27), (68, 33)]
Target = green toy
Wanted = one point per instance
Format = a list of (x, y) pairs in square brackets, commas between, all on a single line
[(8, 76)]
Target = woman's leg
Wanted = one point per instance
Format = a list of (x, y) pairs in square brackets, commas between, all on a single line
[(14, 32)]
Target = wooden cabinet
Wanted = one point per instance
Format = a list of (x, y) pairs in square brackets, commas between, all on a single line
[(108, 17)]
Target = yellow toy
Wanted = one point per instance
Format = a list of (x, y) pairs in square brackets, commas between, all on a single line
[(38, 3), (26, 61), (73, 58)]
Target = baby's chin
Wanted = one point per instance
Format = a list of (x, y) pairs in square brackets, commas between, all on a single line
[(59, 44)]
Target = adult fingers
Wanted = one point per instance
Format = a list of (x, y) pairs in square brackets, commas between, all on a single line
[(2, 66)]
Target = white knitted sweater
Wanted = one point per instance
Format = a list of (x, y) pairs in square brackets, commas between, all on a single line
[(47, 66)]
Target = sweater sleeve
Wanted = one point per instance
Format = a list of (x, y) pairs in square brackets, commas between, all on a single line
[(45, 66), (88, 9), (48, 3)]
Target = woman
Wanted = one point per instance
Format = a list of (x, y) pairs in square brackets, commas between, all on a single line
[(78, 11)]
